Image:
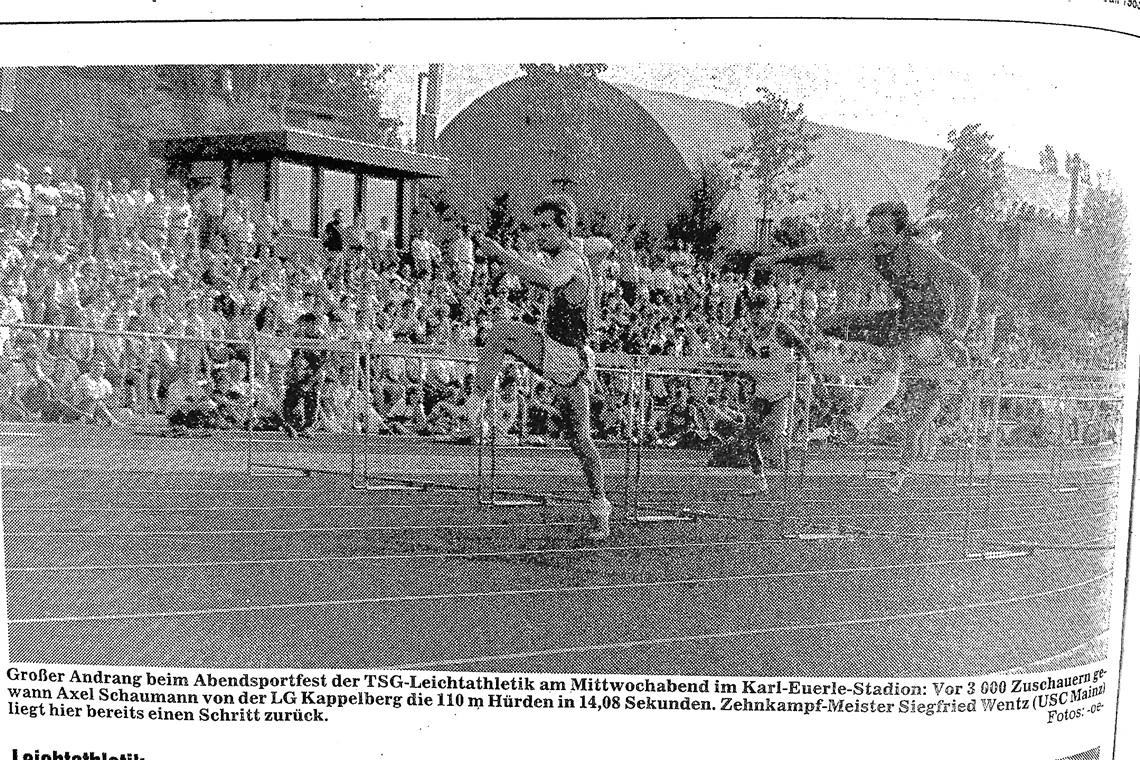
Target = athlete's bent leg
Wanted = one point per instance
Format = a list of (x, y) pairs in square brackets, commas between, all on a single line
[(881, 392), (923, 350), (515, 338)]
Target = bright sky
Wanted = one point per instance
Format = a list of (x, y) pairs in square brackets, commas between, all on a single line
[(915, 102)]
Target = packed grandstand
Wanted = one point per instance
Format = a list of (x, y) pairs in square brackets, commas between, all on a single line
[(119, 260)]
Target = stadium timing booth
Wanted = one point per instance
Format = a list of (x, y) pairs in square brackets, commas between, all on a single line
[(302, 178)]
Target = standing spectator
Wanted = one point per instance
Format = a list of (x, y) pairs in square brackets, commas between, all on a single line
[(272, 355), (73, 201), (111, 349), (103, 217), (459, 250), (155, 220), (233, 228), (209, 204), (46, 200), (15, 195), (424, 254), (354, 241), (181, 221), (333, 241), (266, 233), (124, 209), (387, 255), (305, 372), (11, 312)]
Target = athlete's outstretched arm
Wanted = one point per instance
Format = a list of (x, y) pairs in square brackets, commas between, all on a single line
[(559, 272), (819, 255)]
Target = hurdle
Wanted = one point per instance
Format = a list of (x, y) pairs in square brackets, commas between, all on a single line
[(639, 409), (988, 383), (785, 369)]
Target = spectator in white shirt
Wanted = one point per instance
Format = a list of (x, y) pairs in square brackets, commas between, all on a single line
[(93, 392), (15, 195), (155, 220), (425, 255)]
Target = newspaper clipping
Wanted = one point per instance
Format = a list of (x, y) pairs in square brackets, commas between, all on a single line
[(713, 385)]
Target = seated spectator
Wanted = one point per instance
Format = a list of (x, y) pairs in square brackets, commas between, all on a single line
[(545, 420), (15, 379), (445, 418), (402, 408), (44, 399), (92, 394), (681, 423), (614, 418), (185, 391), (230, 396)]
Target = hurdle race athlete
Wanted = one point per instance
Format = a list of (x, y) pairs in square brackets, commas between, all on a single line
[(561, 352), (937, 300)]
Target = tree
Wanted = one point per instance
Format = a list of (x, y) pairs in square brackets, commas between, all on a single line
[(780, 149), (969, 196), (581, 69), (1049, 160), (501, 219), (696, 226), (1078, 171), (1103, 241)]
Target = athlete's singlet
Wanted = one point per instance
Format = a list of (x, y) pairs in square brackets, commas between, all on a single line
[(922, 308), (567, 321)]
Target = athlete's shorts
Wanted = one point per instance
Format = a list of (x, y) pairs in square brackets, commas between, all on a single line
[(566, 365)]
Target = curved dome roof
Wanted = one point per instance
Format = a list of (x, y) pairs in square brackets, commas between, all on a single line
[(656, 143), (530, 131)]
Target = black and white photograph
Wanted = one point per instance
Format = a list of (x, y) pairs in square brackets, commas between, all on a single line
[(708, 383), (758, 369)]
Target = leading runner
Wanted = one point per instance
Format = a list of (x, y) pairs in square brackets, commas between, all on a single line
[(561, 353), (937, 300)]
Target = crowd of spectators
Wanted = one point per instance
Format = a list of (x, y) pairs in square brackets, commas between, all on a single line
[(206, 266)]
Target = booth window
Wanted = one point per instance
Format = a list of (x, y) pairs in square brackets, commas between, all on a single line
[(338, 191), (295, 202), (380, 203)]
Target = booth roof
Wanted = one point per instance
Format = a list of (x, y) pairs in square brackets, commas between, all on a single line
[(304, 147)]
